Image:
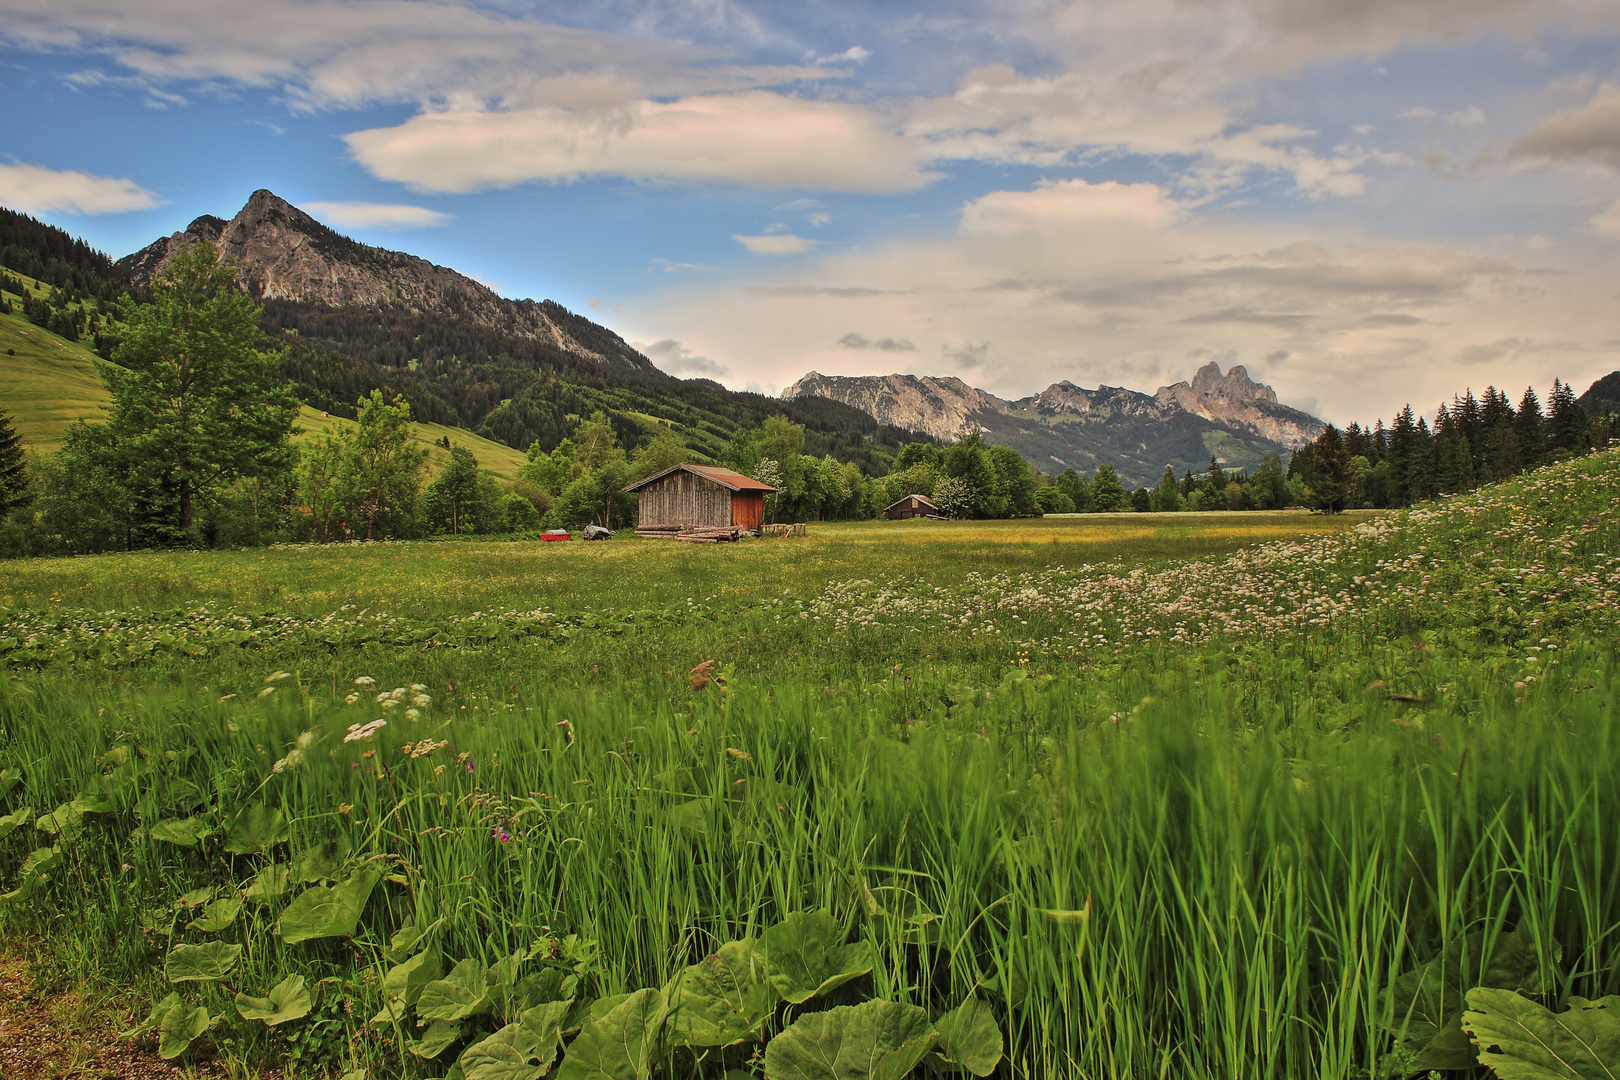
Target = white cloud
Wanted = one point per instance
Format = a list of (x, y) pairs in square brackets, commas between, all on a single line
[(1068, 205), (34, 189), (1418, 112), (1608, 223), (366, 215), (1468, 117), (752, 137), (676, 359), (1589, 132), (1123, 285), (852, 55), (776, 244)]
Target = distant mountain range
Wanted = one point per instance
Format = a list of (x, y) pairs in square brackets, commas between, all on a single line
[(1229, 416)]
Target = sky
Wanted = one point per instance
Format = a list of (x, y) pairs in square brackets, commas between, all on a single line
[(1364, 202)]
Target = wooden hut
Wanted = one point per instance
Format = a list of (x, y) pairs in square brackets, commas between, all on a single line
[(912, 506), (688, 501)]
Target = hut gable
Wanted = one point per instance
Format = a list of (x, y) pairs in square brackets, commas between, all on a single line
[(700, 496), (912, 506)]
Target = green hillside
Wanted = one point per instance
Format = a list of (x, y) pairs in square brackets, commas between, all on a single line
[(47, 383)]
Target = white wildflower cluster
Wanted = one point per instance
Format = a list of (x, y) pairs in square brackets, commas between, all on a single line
[(295, 756), (399, 695), (362, 732), (423, 748)]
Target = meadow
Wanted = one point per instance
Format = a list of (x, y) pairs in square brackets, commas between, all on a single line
[(1185, 795)]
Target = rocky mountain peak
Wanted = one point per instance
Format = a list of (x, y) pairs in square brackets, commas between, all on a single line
[(282, 253)]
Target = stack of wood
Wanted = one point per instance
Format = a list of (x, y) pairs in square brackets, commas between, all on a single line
[(693, 534)]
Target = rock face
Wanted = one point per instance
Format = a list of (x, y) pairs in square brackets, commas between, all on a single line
[(1230, 416), (281, 253), (943, 408), (1238, 401)]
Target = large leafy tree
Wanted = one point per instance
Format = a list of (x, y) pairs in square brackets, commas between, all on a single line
[(381, 471), (196, 404)]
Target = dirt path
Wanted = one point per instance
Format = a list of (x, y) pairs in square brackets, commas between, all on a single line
[(62, 1035)]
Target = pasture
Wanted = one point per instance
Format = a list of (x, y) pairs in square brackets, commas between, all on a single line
[(1183, 795)]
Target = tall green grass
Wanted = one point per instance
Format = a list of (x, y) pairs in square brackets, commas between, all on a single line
[(1203, 859)]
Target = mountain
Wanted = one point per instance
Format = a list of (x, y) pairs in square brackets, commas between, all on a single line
[(1603, 396), (351, 318), (283, 254), (1230, 416)]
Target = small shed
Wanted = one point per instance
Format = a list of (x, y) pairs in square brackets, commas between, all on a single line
[(912, 506), (690, 496)]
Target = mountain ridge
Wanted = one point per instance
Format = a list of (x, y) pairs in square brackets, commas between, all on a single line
[(1225, 415), (284, 254)]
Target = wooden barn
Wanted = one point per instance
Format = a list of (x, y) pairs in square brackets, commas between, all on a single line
[(700, 498), (912, 506)]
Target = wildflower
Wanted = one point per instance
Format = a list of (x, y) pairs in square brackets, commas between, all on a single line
[(421, 701), (472, 765), (358, 732), (413, 714), (418, 687), (221, 701), (344, 808), (365, 680), (267, 691), (277, 677), (438, 770), (500, 835), (351, 699)]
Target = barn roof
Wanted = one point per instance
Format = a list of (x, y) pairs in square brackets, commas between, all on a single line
[(908, 498), (726, 478)]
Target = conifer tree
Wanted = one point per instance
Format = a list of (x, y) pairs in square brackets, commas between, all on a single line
[(1569, 428), (15, 493), (1328, 481), (1529, 425)]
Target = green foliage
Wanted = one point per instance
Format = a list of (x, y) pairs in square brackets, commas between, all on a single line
[(287, 1001), (879, 1040), (196, 405), (380, 471), (623, 1044), (209, 962), (805, 956), (1517, 1039), (1426, 1004), (327, 911)]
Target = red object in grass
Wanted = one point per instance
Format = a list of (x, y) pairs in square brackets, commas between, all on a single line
[(555, 534)]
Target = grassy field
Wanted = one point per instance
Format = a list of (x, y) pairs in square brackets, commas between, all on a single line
[(48, 383), (1179, 796)]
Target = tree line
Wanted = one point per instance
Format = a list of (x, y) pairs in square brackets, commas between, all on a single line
[(1473, 441)]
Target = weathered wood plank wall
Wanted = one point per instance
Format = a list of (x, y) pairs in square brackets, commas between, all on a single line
[(684, 498)]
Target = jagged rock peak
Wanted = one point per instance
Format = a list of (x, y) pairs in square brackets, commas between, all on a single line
[(282, 253)]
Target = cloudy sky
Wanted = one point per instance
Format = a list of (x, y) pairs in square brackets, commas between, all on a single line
[(1363, 201)]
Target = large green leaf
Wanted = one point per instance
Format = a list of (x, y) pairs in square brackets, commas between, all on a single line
[(1426, 1003), (288, 1000), (1520, 1040), (969, 1038), (323, 859), (184, 832), (15, 820), (805, 956), (439, 1035), (722, 999), (268, 884), (179, 1028), (462, 993), (62, 821), (328, 910), (154, 1020), (256, 830), (209, 962), (9, 778), (622, 1045), (881, 1040), (522, 1050), (218, 915), (404, 982)]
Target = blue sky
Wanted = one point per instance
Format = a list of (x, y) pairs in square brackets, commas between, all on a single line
[(1363, 201)]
